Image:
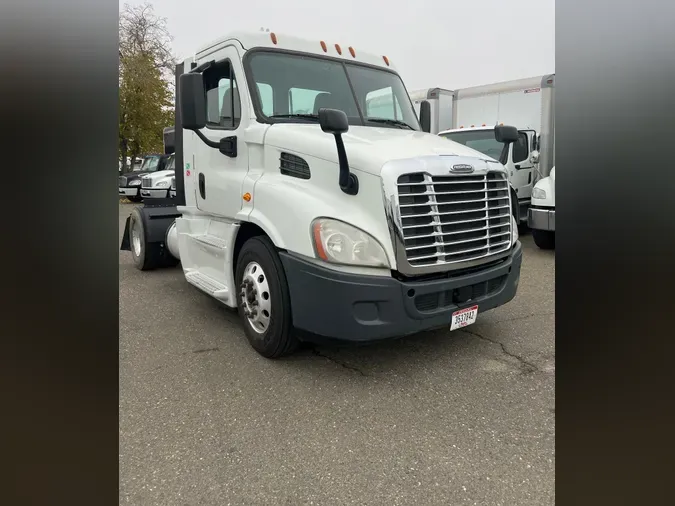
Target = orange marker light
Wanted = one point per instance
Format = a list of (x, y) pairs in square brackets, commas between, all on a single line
[(338, 48), (483, 124), (386, 60), (247, 197), (471, 126), (353, 53), (317, 242), (462, 126), (324, 47), (273, 37)]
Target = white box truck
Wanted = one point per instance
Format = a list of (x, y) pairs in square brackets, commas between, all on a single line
[(468, 116), (317, 215)]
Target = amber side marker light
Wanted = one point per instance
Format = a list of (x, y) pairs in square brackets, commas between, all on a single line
[(247, 197)]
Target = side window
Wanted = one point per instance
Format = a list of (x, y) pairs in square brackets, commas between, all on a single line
[(222, 97), (383, 104), (520, 149), (302, 101), (266, 98)]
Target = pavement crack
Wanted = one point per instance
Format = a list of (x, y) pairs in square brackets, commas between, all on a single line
[(526, 366), (205, 350), (339, 362), (525, 317)]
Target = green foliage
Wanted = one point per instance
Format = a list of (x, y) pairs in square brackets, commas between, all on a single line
[(145, 82)]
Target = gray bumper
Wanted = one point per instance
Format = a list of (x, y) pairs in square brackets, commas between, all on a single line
[(349, 307), (540, 218)]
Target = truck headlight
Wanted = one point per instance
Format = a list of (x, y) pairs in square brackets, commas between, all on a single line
[(514, 230), (162, 184), (135, 182), (538, 193), (340, 243)]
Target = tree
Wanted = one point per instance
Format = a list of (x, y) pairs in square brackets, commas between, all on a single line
[(146, 71)]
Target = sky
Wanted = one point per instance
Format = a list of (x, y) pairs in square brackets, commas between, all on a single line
[(433, 43)]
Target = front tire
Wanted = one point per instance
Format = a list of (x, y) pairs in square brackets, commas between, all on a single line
[(263, 299), (544, 239)]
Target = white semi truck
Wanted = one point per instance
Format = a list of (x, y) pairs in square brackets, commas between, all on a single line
[(469, 115), (317, 216)]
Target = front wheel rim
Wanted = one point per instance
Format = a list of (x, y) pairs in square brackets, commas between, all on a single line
[(255, 298)]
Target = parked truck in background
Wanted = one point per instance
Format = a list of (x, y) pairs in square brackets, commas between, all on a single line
[(157, 184), (318, 215), (469, 115)]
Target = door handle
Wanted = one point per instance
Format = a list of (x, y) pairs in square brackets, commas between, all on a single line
[(202, 186), (517, 166)]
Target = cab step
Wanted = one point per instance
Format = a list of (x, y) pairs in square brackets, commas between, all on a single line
[(209, 285)]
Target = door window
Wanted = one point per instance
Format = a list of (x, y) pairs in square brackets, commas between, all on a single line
[(520, 148), (222, 97)]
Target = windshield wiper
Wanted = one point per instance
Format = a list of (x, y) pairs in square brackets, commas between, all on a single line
[(304, 116), (395, 122)]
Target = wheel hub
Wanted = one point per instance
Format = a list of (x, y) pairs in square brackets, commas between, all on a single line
[(254, 297), (136, 238)]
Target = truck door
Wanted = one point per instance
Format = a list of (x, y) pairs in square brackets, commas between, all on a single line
[(219, 176), (520, 168)]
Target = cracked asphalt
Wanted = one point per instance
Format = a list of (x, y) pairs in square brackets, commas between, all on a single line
[(439, 418)]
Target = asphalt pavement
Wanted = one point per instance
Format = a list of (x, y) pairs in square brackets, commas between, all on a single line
[(438, 418)]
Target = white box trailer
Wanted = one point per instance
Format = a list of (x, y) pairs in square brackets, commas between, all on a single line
[(469, 115)]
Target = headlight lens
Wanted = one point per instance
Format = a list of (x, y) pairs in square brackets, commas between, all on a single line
[(135, 182), (162, 184), (514, 230), (340, 243), (538, 193)]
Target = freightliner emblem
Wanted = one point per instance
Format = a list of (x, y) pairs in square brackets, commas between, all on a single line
[(462, 167)]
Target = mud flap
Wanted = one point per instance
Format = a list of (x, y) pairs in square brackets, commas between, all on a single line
[(126, 243)]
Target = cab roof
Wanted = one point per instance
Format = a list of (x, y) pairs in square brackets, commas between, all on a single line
[(274, 40)]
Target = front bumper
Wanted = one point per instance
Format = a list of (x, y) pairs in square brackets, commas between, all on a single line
[(131, 191), (155, 193), (349, 307), (541, 218)]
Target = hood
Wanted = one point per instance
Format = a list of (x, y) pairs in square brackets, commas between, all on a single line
[(368, 148), (160, 174), (134, 174)]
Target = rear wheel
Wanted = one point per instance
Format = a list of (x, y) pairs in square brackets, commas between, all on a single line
[(146, 256), (544, 239), (263, 299)]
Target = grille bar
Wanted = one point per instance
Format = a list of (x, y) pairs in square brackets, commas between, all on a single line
[(448, 224)]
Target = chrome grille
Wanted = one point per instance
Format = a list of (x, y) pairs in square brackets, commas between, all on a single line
[(146, 182), (122, 181), (449, 219)]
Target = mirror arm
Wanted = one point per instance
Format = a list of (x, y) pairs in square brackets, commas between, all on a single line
[(205, 140), (348, 181)]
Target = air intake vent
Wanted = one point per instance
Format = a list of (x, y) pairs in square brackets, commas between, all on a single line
[(294, 166)]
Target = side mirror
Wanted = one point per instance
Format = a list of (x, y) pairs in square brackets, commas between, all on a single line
[(506, 134), (425, 116), (534, 157), (333, 121), (192, 101)]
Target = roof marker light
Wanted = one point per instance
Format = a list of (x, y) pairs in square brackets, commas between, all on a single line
[(338, 48), (352, 52), (386, 60), (324, 47), (273, 37), (472, 126)]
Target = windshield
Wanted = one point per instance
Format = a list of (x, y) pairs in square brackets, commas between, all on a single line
[(150, 163), (290, 85), (481, 140)]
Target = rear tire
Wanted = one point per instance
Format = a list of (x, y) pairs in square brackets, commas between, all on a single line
[(544, 239), (263, 299), (146, 256)]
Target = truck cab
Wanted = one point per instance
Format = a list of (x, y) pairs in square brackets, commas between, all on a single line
[(318, 212), (157, 184), (517, 159)]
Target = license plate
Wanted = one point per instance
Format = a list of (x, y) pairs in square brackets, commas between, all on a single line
[(463, 317)]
